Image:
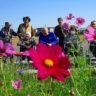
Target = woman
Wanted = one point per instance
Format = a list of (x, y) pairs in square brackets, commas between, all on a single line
[(25, 27)]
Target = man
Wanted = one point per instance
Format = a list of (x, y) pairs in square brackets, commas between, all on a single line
[(25, 27), (60, 32), (7, 32), (47, 37)]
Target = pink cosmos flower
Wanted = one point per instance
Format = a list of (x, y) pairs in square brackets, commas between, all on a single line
[(8, 49), (9, 46), (80, 21), (50, 61), (17, 84), (70, 17), (90, 37), (66, 26), (90, 34), (91, 30)]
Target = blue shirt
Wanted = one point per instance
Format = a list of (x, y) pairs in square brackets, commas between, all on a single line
[(49, 39)]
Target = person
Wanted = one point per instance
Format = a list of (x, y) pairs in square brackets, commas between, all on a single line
[(60, 32), (93, 43), (7, 32), (25, 27), (71, 39), (26, 43), (48, 38)]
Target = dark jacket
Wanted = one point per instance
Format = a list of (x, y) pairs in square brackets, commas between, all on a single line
[(59, 32)]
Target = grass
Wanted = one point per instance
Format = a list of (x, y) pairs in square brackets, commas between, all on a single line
[(82, 81)]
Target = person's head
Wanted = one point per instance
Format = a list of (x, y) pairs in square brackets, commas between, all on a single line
[(60, 21), (26, 20), (27, 35), (93, 24), (45, 31), (7, 25), (73, 29)]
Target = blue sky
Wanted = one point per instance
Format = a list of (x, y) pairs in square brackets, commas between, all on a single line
[(44, 12)]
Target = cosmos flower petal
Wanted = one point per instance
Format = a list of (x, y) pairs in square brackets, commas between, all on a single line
[(66, 26), (54, 50), (9, 46), (90, 30), (43, 54), (42, 73), (1, 44), (58, 76), (66, 73), (34, 56), (65, 63), (89, 37)]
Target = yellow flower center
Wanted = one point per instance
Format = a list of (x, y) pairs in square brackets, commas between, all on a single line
[(48, 62)]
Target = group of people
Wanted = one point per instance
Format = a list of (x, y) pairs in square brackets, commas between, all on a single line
[(26, 35)]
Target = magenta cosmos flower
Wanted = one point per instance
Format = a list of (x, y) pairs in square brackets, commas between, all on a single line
[(50, 62), (70, 17), (66, 26), (17, 84), (8, 49), (80, 21), (90, 34)]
